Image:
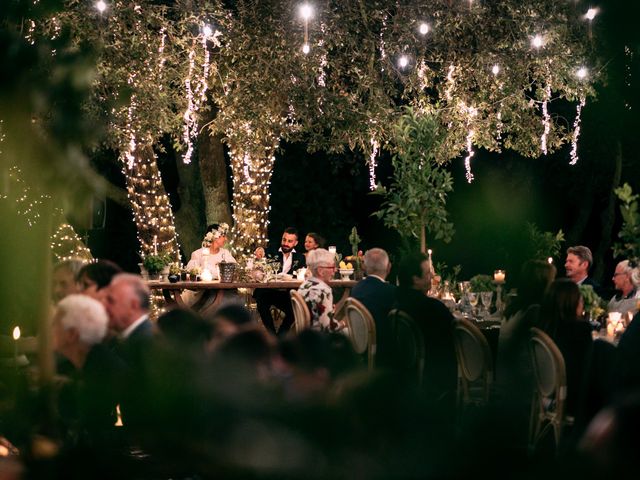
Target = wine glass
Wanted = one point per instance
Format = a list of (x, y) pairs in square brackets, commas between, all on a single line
[(472, 298), (486, 298)]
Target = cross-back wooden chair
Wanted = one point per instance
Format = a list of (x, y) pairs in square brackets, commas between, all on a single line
[(301, 314), (361, 330), (408, 350), (550, 390), (475, 362)]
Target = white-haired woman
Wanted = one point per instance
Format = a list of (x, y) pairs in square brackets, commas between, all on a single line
[(316, 291)]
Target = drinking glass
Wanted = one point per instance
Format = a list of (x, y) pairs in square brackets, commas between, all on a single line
[(486, 298), (472, 298)]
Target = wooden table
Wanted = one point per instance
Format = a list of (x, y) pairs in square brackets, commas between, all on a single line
[(213, 293)]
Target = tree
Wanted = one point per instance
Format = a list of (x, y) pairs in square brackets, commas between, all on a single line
[(416, 200)]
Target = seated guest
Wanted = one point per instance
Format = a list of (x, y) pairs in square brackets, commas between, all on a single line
[(561, 317), (436, 323), (230, 320), (185, 330), (64, 278), (212, 252), (313, 241), (79, 326), (579, 261), (317, 293), (93, 277), (378, 296), (290, 260), (626, 280), (514, 375)]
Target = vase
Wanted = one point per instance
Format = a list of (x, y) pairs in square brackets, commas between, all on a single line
[(173, 278)]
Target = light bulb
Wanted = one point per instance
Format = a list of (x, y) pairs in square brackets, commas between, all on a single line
[(306, 48), (537, 41), (403, 61), (582, 73), (591, 14), (207, 31), (306, 11), (16, 333), (495, 69), (424, 28), (101, 6)]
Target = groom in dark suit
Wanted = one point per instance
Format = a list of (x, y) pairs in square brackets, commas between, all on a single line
[(379, 297), (289, 260)]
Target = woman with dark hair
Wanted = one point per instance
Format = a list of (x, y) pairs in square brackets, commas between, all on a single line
[(313, 241), (514, 375), (561, 317), (93, 277)]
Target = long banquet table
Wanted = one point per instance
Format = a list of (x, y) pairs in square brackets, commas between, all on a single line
[(214, 293)]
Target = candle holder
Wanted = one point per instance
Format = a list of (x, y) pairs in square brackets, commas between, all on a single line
[(499, 277)]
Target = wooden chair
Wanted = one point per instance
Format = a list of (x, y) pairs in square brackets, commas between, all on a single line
[(361, 330), (409, 348), (475, 362), (550, 391), (301, 314)]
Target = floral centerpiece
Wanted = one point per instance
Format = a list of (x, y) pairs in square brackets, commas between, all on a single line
[(592, 302), (154, 264), (482, 283)]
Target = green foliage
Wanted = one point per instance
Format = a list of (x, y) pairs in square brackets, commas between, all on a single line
[(416, 199), (155, 263), (543, 245), (629, 235), (592, 301), (482, 283), (354, 240), (448, 274)]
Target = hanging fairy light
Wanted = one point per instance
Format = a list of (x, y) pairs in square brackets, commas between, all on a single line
[(495, 69), (403, 61), (101, 6), (546, 120), (576, 132), (423, 28), (582, 73), (471, 114), (537, 41), (306, 12), (375, 148), (589, 16)]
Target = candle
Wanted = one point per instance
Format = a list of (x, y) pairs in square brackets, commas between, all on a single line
[(550, 259), (207, 276), (16, 337), (610, 330), (155, 245), (332, 249), (301, 273), (499, 276), (614, 317)]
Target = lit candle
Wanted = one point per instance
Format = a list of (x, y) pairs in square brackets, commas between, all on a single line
[(550, 259), (332, 249), (16, 337), (206, 276), (301, 273), (499, 276)]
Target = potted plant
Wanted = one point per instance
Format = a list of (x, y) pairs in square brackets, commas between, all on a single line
[(195, 274), (174, 273), (154, 265)]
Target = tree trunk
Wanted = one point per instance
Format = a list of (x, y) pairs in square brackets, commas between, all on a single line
[(213, 171), (252, 167), (608, 215), (423, 238), (190, 217), (150, 203)]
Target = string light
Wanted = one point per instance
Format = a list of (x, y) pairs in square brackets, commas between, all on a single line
[(101, 6), (67, 245), (546, 120), (591, 13), (306, 48), (424, 28), (375, 148), (403, 61), (471, 114), (582, 73), (306, 12), (576, 132), (495, 69), (537, 41)]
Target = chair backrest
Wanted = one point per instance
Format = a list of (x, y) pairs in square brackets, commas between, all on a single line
[(475, 361), (548, 365), (362, 329), (547, 411), (409, 349), (301, 314)]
